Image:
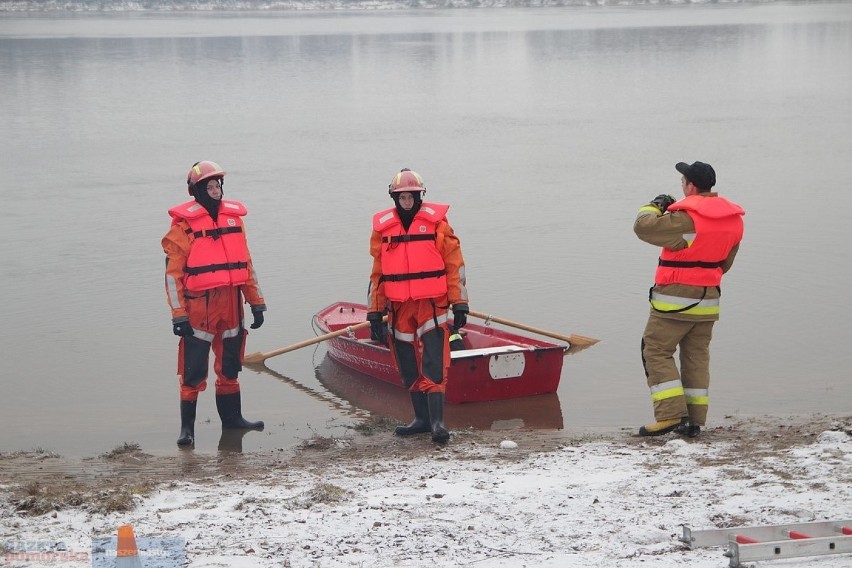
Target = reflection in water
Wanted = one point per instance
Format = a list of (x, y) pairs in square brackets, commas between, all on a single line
[(357, 394), (232, 440), (381, 398), (331, 400)]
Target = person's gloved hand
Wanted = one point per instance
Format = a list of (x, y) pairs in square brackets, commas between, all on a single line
[(662, 202), (378, 330), (258, 319), (460, 315), (182, 329)]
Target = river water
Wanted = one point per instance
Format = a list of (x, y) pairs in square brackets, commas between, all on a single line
[(544, 128)]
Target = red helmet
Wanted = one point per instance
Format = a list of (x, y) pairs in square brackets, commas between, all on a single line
[(201, 171), (406, 180)]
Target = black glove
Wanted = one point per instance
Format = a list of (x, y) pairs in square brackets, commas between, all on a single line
[(258, 319), (182, 329), (378, 329), (460, 315), (663, 201)]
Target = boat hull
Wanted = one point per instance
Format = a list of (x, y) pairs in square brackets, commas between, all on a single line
[(496, 364), (380, 398)]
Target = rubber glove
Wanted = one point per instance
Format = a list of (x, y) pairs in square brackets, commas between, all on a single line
[(258, 319), (460, 315), (182, 329), (378, 329)]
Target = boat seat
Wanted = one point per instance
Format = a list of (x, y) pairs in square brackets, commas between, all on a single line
[(465, 353), (468, 353)]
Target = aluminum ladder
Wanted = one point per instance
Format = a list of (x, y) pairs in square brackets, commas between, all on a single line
[(769, 542)]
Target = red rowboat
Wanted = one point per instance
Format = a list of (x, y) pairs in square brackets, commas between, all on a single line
[(495, 364), (363, 392)]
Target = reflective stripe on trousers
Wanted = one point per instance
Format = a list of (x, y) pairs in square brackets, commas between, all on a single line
[(678, 392), (666, 390), (420, 348), (216, 320)]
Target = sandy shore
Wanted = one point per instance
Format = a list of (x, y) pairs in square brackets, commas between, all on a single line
[(557, 499)]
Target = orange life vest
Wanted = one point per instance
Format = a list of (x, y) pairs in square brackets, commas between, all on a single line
[(718, 228), (219, 254), (412, 266)]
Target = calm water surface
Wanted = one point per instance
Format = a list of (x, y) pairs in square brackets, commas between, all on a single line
[(544, 128)]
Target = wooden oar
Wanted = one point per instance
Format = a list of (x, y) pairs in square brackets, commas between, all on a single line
[(258, 357), (573, 340)]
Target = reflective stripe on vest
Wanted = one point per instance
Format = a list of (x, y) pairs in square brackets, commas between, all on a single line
[(412, 266), (668, 389), (667, 303)]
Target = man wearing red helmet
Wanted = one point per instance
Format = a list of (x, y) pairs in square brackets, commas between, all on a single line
[(418, 274), (208, 273)]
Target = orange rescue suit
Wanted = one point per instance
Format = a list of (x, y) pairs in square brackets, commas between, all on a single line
[(208, 272), (417, 274)]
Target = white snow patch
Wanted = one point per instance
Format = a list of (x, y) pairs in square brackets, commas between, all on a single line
[(595, 505)]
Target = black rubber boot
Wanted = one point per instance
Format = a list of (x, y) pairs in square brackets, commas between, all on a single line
[(436, 415), (688, 429), (230, 411), (187, 423), (420, 424)]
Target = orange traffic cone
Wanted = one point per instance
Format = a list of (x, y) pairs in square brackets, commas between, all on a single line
[(126, 553)]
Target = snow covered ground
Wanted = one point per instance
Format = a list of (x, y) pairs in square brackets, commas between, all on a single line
[(553, 501)]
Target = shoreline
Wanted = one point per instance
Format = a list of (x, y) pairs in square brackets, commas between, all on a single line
[(578, 500), (129, 462)]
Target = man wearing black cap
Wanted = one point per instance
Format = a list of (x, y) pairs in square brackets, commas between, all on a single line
[(699, 236)]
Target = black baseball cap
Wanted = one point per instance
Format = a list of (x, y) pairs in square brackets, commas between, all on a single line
[(699, 173)]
